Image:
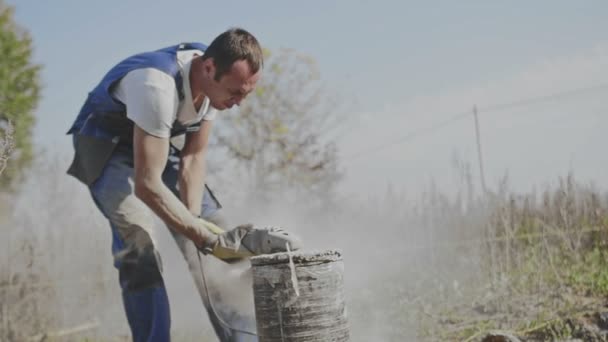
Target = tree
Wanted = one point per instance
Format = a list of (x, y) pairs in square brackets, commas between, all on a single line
[(280, 137), (19, 93)]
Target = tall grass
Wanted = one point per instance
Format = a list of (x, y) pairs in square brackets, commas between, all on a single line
[(542, 258)]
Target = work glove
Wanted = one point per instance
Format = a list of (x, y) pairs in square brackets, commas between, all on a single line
[(246, 241), (210, 226)]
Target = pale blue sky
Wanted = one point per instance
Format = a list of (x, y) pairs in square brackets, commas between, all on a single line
[(406, 65)]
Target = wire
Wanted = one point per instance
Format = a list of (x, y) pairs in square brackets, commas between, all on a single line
[(538, 99), (219, 318), (489, 108), (410, 135)]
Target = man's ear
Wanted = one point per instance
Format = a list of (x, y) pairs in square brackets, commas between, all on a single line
[(209, 67)]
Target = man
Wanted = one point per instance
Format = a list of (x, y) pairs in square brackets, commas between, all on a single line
[(123, 153)]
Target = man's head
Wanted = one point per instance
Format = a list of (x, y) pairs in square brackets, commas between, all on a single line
[(230, 68)]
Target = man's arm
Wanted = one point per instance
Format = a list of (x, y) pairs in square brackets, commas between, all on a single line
[(150, 159), (192, 168)]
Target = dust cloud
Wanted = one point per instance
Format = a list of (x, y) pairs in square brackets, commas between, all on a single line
[(389, 245)]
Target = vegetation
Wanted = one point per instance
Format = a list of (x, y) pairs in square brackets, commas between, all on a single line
[(543, 270), (19, 93), (448, 267)]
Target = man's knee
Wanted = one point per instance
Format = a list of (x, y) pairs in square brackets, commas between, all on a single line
[(139, 263)]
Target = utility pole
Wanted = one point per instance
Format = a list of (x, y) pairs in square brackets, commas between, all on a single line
[(481, 173)]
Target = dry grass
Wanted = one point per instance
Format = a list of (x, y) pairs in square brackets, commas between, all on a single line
[(26, 294), (543, 261), (433, 267)]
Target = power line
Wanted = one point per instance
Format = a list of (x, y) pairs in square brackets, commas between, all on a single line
[(542, 98), (410, 135), (461, 116)]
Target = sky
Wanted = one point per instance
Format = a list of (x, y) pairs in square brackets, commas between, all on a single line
[(402, 66)]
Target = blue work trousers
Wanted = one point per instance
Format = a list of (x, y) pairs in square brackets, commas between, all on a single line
[(138, 261)]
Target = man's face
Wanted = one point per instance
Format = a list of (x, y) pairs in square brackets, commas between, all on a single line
[(232, 87)]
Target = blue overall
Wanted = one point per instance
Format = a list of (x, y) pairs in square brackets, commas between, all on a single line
[(104, 161)]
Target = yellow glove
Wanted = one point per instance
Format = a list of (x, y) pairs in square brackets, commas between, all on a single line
[(212, 227)]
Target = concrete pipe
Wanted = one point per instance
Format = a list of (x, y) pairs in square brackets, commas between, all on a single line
[(299, 296)]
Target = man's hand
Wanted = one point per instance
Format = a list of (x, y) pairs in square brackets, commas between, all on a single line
[(246, 241), (210, 226)]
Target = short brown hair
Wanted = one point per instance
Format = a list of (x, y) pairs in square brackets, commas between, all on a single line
[(231, 46)]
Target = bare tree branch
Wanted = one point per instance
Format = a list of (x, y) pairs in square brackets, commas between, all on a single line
[(281, 135), (7, 145)]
